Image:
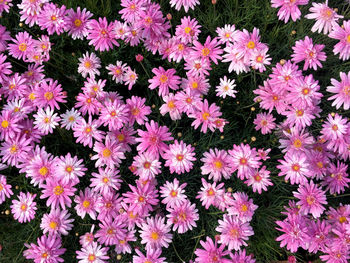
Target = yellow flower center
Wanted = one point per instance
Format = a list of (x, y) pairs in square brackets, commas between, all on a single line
[(173, 193), (148, 20), (346, 90), (154, 236), (48, 95), (205, 52), (12, 86), (71, 119), (171, 104), (87, 64), (141, 199), (305, 91), (86, 204), (205, 116), (300, 113), (187, 30), (43, 171), (234, 233), (69, 169), (31, 96), (13, 149), (53, 18), (210, 192), (22, 47), (77, 22), (227, 35), (23, 207), (179, 157), (121, 137), (297, 143), (53, 225), (295, 167), (135, 111), (310, 200), (257, 178), (348, 39), (58, 190), (342, 219), (251, 45), (92, 258), (218, 164), (243, 161), (106, 153), (244, 208), (163, 78), (5, 124), (1, 187), (319, 164), (182, 216), (105, 180)]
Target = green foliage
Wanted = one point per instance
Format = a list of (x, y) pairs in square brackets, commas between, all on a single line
[(63, 67)]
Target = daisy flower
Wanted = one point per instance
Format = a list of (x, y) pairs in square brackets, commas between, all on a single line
[(341, 90), (205, 115), (296, 141), (226, 88), (342, 33), (53, 19), (311, 199), (179, 157), (244, 160), (89, 64), (77, 22), (114, 114), (48, 250), (5, 189), (9, 125), (305, 50), (288, 9), (217, 163), (5, 68), (5, 6), (295, 168), (152, 255), (46, 120), (138, 111), (130, 77), (186, 4), (265, 122), (4, 37), (70, 118), (108, 205), (195, 85), (23, 45), (155, 233), (197, 67), (48, 93), (318, 236), (14, 87), (337, 179), (210, 50), (153, 139), (86, 203), (58, 193), (211, 252), (242, 207), (335, 127), (237, 63), (226, 34), (93, 253), (101, 34), (210, 193), (188, 30), (57, 222), (183, 217), (241, 256), (259, 59), (117, 71), (85, 132), (105, 181), (69, 168), (173, 194), (24, 208), (111, 231), (325, 17), (164, 79), (147, 166), (170, 106), (187, 101), (15, 150), (234, 232), (259, 180)]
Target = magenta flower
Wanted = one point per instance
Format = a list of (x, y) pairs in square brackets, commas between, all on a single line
[(265, 122), (114, 114), (183, 217), (205, 115), (146, 165), (305, 50), (49, 93), (93, 252), (295, 168), (288, 8), (69, 168), (186, 4), (85, 132), (5, 68), (105, 181), (211, 252), (57, 222), (101, 34), (342, 33), (152, 255), (319, 235), (210, 50), (242, 207), (210, 193), (15, 150), (89, 64), (77, 22), (217, 163), (260, 180), (9, 125), (164, 79), (48, 250), (5, 189), (86, 203), (155, 233), (311, 199), (173, 194), (111, 231), (138, 111), (58, 193), (53, 18), (341, 90), (179, 157), (24, 208), (337, 179), (131, 9), (153, 139), (23, 45), (234, 232), (188, 30)]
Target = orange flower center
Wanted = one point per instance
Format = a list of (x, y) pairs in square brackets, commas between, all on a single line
[(58, 190)]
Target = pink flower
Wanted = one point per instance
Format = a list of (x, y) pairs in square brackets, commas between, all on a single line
[(131, 9), (234, 232), (288, 8), (265, 122), (244, 160), (188, 30), (210, 50), (101, 34), (155, 233), (325, 17), (179, 157), (5, 68), (211, 252), (217, 163), (173, 194), (305, 50), (152, 255), (153, 139), (226, 34), (164, 80), (210, 193), (138, 111), (56, 222), (5, 189), (294, 232), (130, 77), (15, 150), (341, 90), (5, 6), (86, 131), (311, 199), (24, 208), (89, 64), (183, 217), (343, 34), (114, 114), (14, 87), (4, 37), (171, 105), (86, 203), (295, 167), (77, 23), (105, 181), (186, 4), (49, 93), (53, 19), (259, 180), (58, 193), (146, 165), (205, 115), (93, 253), (337, 179), (242, 207), (111, 231), (241, 256), (117, 71), (23, 45), (9, 125), (48, 250), (69, 168)]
